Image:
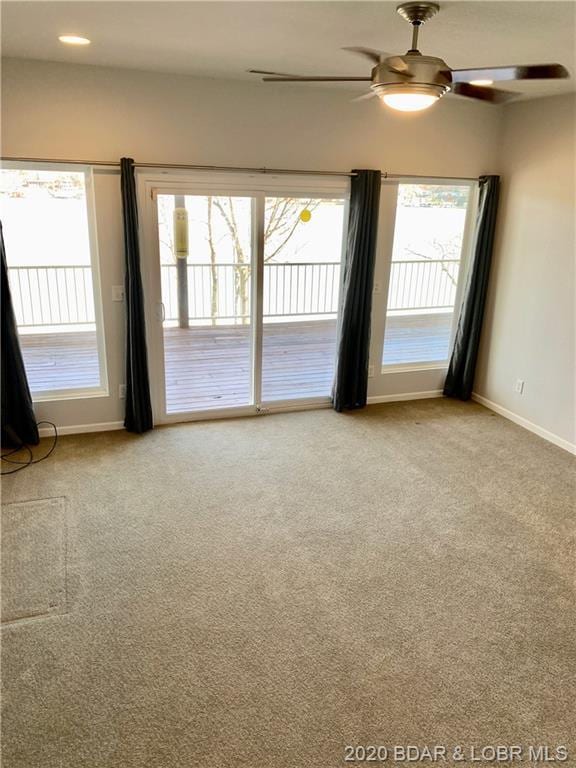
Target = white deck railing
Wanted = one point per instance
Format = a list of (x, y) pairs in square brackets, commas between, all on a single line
[(290, 290), (420, 285), (52, 296), (63, 295)]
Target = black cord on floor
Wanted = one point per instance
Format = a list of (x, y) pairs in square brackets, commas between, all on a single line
[(30, 459)]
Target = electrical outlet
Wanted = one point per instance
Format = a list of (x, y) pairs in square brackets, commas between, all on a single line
[(117, 293), (519, 386), (370, 371), (377, 286), (122, 391)]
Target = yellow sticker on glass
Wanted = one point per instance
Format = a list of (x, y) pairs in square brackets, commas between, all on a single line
[(305, 215)]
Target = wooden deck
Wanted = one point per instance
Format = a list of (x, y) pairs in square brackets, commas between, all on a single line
[(417, 339), (60, 360), (209, 367)]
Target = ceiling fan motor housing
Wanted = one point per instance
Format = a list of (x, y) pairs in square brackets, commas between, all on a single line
[(418, 12), (424, 72)]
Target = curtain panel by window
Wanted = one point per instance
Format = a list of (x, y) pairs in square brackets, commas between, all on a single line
[(18, 419), (138, 417), (351, 380), (460, 376)]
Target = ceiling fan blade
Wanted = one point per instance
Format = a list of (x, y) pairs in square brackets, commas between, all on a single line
[(394, 63), (397, 64), (364, 97), (265, 72), (376, 57), (512, 72), (314, 79), (493, 95)]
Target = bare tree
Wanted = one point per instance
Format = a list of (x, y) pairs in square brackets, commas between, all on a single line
[(242, 272), (448, 251), (282, 221), (283, 218), (213, 267)]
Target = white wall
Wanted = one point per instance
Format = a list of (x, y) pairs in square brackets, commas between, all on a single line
[(98, 113), (529, 331), (62, 111)]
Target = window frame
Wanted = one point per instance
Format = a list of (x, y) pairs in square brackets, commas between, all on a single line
[(465, 253), (75, 393)]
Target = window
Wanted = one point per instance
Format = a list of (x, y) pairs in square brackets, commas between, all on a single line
[(50, 249), (425, 273)]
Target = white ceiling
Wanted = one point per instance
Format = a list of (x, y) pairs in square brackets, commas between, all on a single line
[(224, 39)]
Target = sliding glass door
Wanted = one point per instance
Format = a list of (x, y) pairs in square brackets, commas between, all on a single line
[(246, 285), (206, 268), (302, 257)]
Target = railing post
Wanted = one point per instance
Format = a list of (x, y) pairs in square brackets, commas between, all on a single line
[(181, 254)]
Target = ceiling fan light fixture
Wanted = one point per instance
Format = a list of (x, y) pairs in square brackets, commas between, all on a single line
[(409, 102), (410, 97), (74, 40)]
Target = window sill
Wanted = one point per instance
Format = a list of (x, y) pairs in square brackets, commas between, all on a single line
[(414, 367), (69, 394)]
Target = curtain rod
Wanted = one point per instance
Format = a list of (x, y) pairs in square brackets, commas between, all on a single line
[(184, 166), (181, 166), (386, 176)]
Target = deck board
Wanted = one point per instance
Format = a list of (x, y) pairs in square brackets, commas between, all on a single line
[(209, 367)]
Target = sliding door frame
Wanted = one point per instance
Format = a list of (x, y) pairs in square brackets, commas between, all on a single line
[(257, 186)]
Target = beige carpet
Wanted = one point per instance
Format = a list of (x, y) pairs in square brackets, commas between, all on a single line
[(263, 592), (33, 559)]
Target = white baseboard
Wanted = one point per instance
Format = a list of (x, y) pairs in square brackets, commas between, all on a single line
[(522, 422), (405, 396), (76, 429), (566, 445), (109, 426)]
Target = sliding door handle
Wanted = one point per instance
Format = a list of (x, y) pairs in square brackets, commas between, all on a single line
[(160, 312)]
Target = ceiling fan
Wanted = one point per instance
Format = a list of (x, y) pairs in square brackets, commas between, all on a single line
[(414, 82)]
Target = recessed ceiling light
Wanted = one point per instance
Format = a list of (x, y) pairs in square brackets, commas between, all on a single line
[(74, 40), (481, 82)]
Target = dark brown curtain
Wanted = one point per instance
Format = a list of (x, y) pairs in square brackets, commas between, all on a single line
[(462, 367), (351, 381), (18, 419), (138, 417)]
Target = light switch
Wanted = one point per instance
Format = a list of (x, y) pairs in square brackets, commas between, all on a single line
[(117, 293)]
